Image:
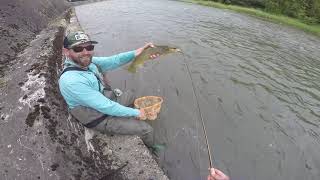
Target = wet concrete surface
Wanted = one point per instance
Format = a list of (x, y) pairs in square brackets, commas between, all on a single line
[(20, 22)]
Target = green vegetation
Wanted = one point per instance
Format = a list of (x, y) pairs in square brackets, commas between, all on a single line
[(307, 23), (305, 10)]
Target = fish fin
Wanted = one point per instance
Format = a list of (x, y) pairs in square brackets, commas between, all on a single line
[(132, 69)]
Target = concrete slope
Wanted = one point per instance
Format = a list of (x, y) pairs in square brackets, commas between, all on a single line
[(38, 138), (20, 21)]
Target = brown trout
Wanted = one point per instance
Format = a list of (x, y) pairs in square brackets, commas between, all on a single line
[(145, 55)]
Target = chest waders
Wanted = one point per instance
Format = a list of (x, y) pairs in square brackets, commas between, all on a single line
[(89, 117)]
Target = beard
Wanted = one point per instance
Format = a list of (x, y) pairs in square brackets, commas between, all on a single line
[(83, 61)]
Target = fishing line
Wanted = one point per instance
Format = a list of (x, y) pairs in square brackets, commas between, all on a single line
[(201, 118)]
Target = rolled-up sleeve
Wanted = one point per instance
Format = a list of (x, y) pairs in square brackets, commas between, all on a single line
[(113, 62)]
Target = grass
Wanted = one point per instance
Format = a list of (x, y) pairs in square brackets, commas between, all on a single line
[(314, 29)]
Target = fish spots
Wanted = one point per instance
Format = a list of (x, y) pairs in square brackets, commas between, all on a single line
[(150, 53)]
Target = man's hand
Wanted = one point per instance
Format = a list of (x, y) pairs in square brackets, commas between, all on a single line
[(140, 50), (216, 174), (142, 115)]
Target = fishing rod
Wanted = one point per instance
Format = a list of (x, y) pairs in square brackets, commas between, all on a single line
[(201, 118)]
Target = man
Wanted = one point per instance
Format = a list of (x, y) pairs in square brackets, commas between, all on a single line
[(92, 102)]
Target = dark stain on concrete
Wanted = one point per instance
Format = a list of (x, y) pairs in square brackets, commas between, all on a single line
[(35, 68), (45, 112), (21, 84), (25, 96), (54, 166), (14, 26), (32, 116), (51, 126), (41, 100), (25, 19), (73, 138)]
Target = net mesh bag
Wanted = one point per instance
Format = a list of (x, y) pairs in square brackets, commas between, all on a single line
[(150, 104)]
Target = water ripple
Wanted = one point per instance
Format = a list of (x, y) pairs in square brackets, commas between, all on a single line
[(258, 84)]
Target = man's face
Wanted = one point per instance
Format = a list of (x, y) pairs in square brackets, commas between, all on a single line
[(81, 54)]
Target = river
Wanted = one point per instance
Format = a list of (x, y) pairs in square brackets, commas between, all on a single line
[(257, 83)]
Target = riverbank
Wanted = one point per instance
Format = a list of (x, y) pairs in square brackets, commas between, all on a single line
[(313, 29)]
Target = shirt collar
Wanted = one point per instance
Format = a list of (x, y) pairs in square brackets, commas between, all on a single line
[(69, 63)]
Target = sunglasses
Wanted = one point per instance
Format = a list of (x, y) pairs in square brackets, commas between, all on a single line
[(78, 49)]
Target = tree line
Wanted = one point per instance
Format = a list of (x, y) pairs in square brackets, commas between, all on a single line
[(306, 10)]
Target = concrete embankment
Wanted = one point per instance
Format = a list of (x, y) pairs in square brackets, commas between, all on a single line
[(20, 22), (39, 140)]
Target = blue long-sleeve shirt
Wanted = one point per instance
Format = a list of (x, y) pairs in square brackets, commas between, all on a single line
[(81, 88)]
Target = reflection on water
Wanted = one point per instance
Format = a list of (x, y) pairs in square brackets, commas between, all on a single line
[(257, 82)]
